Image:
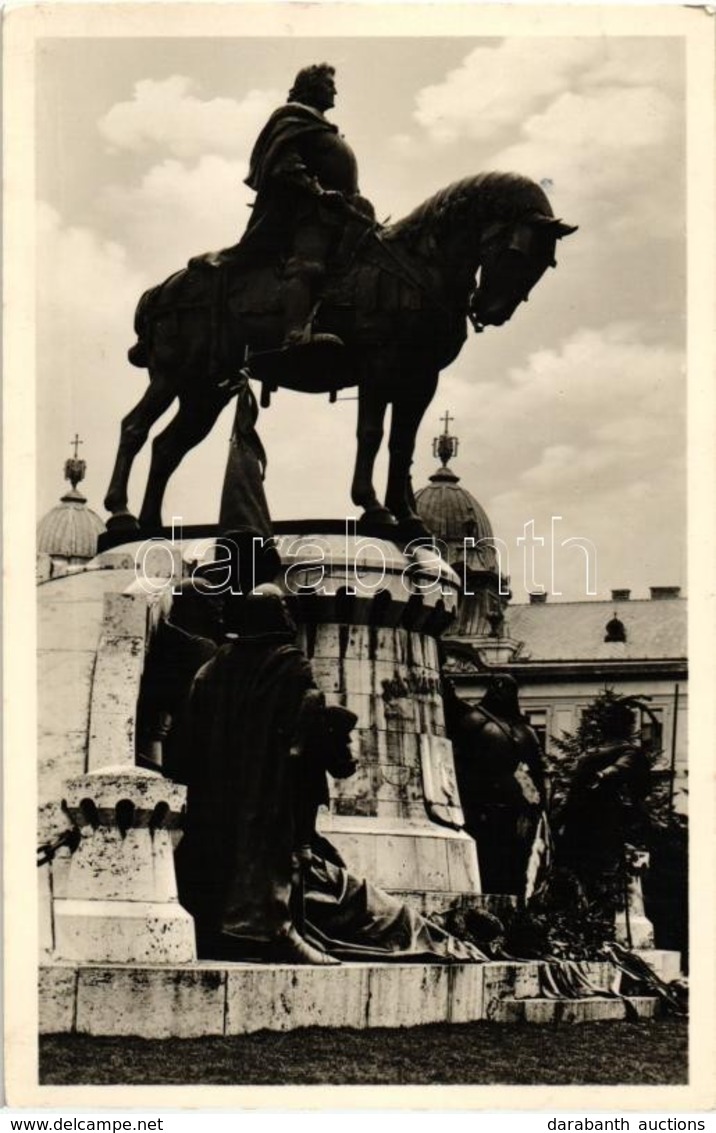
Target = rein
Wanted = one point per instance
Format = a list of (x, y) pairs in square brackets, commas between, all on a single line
[(406, 275), (404, 270)]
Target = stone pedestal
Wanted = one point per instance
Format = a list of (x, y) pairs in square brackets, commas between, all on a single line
[(370, 615), (120, 903), (632, 926), (114, 900), (236, 999), (121, 947)]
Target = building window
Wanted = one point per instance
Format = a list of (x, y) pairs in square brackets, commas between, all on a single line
[(615, 630), (537, 720), (651, 731)]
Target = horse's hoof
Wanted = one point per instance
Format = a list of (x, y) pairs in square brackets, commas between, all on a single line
[(122, 521), (412, 527), (150, 523), (377, 517)]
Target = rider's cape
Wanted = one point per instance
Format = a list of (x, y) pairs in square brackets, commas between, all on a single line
[(273, 214), (285, 126)]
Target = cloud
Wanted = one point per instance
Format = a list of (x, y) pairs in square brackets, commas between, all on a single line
[(636, 526), (589, 426), (601, 119), (592, 431), (87, 293), (498, 88), (177, 209), (167, 116), (594, 382), (86, 289), (610, 155), (191, 196), (495, 87)]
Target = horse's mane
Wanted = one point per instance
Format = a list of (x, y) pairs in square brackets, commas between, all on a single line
[(499, 196)]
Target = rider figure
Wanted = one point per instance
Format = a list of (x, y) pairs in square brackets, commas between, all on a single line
[(305, 175)]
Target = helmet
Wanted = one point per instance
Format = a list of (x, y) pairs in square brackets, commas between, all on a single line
[(261, 616)]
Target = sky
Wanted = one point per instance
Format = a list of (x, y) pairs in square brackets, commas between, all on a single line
[(575, 408)]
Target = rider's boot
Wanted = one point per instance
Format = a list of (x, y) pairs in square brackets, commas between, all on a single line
[(298, 309)]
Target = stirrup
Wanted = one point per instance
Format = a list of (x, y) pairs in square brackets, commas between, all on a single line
[(303, 338)]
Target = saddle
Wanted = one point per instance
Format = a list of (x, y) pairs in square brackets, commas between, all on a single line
[(369, 280), (366, 272)]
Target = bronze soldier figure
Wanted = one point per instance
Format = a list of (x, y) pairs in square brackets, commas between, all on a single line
[(305, 176), (259, 881), (500, 775), (604, 808)]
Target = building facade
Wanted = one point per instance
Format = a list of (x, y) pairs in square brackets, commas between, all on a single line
[(562, 654)]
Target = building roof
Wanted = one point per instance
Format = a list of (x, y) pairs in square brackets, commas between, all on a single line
[(575, 631), (453, 514), (71, 529)]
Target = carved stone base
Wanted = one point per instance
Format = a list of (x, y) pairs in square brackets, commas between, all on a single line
[(124, 932), (370, 632), (639, 933), (665, 962), (237, 999), (397, 856), (632, 926), (120, 903)]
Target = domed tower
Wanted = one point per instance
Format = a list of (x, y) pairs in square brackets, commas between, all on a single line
[(67, 535), (463, 528)]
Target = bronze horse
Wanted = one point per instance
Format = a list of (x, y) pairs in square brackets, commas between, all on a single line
[(400, 298)]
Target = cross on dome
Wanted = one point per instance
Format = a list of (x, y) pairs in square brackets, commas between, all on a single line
[(445, 446), (75, 468)]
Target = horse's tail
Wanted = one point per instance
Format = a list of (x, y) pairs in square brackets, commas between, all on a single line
[(138, 354)]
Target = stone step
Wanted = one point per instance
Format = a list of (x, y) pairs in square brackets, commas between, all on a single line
[(206, 998), (593, 1010), (666, 963)]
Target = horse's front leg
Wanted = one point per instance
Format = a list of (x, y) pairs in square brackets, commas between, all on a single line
[(372, 405), (193, 421), (408, 411), (134, 432)]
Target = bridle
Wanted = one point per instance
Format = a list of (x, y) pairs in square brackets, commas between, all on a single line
[(523, 238)]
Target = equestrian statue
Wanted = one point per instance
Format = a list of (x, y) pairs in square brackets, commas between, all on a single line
[(318, 296)]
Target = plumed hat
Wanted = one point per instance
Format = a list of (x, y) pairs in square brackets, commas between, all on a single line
[(261, 616)]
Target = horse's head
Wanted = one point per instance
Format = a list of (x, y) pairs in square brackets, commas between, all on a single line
[(513, 258)]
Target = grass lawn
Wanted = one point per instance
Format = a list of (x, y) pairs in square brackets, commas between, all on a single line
[(649, 1053)]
